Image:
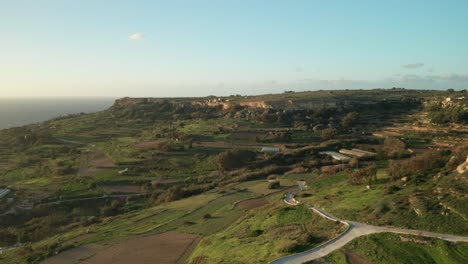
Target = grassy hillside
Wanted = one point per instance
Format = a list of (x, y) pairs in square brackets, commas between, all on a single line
[(192, 165)]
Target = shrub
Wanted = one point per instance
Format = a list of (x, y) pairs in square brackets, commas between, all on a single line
[(364, 175), (206, 216), (329, 133), (233, 159), (393, 147), (288, 247), (256, 233), (418, 165), (350, 119), (274, 185), (392, 189)]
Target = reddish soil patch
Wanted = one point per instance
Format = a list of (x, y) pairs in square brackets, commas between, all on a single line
[(101, 160), (87, 171), (297, 170), (147, 145), (252, 204), (122, 188), (167, 181), (78, 239), (168, 247), (386, 134), (353, 258), (74, 255)]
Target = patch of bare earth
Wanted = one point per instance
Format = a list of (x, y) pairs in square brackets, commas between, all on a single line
[(122, 188), (386, 134), (353, 258), (147, 145), (101, 160), (170, 247), (252, 204), (168, 181), (74, 255), (87, 171)]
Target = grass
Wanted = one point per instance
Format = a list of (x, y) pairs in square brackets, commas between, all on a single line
[(392, 248), (257, 235), (265, 234), (165, 217)]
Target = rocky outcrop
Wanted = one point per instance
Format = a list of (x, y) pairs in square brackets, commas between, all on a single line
[(462, 168), (134, 101), (226, 104)]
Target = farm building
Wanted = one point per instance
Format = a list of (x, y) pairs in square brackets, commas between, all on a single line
[(357, 152), (364, 151), (336, 155), (270, 150), (4, 192)]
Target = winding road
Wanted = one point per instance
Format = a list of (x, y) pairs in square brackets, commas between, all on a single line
[(354, 230)]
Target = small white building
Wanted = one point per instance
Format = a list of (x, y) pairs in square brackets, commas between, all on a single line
[(336, 155), (270, 150), (4, 192)]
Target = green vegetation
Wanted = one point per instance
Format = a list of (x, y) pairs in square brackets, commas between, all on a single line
[(391, 248), (194, 165), (263, 235)]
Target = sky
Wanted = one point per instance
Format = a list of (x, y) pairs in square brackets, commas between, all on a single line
[(223, 47)]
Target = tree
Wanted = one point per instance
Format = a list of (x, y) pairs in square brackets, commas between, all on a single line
[(365, 175), (350, 119), (394, 147), (329, 133), (233, 159), (274, 185), (418, 166)]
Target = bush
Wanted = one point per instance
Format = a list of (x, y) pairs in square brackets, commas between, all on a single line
[(392, 189), (288, 247), (274, 185), (418, 165), (329, 133), (350, 119), (256, 233), (393, 147), (206, 216), (364, 175), (8, 238), (233, 159), (272, 177)]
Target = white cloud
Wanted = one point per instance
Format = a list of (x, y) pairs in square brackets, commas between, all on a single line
[(413, 65), (136, 36)]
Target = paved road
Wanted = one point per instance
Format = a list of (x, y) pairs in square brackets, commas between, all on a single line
[(355, 230)]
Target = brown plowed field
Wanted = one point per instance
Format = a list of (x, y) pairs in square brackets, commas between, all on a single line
[(161, 248), (165, 248), (252, 204), (101, 160)]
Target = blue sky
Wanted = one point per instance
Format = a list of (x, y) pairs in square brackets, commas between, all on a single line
[(196, 48)]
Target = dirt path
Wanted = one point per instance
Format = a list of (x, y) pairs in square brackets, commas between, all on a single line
[(355, 230)]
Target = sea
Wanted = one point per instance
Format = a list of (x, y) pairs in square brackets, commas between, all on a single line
[(22, 111)]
